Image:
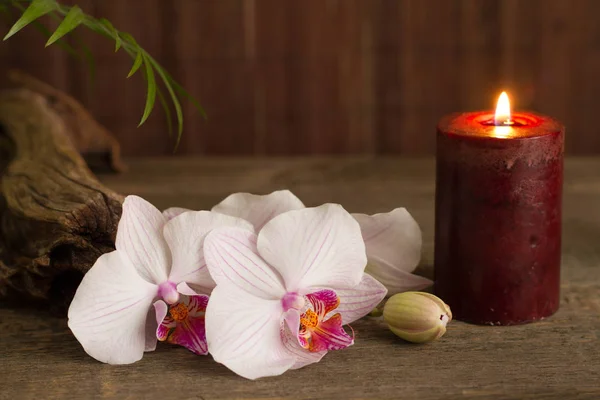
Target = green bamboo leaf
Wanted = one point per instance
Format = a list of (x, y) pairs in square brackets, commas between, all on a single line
[(179, 89), (167, 110), (191, 98), (126, 37), (42, 28), (61, 43), (114, 32), (36, 9), (87, 53), (72, 20), (151, 97), (136, 64), (174, 98)]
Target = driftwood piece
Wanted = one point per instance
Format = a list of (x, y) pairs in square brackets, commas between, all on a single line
[(56, 218), (95, 143)]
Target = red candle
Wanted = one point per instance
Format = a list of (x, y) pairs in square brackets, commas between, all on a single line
[(498, 215)]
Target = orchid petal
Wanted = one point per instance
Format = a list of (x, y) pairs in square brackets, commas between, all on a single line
[(232, 258), (319, 246), (323, 301), (109, 311), (330, 335), (150, 329), (258, 209), (303, 357), (173, 212), (185, 236), (184, 288), (155, 315), (359, 301), (393, 242), (317, 333), (303, 340), (140, 236), (292, 320), (185, 325), (395, 280), (244, 333), (197, 305), (165, 328), (160, 311)]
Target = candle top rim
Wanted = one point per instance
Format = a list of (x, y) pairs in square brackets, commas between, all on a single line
[(479, 124)]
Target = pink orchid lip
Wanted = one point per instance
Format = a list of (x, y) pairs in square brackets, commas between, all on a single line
[(292, 300), (317, 333), (184, 324), (168, 291)]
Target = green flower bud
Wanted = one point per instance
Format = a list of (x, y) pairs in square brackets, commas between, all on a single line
[(417, 317)]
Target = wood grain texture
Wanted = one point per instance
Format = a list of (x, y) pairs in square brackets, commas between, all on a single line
[(332, 76), (558, 358), (56, 219)]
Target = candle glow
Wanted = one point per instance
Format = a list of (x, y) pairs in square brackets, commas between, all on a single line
[(502, 116)]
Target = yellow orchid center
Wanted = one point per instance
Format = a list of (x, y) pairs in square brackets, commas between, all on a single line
[(320, 329), (309, 319), (179, 312)]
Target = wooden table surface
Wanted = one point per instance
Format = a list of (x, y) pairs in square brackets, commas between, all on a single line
[(556, 358)]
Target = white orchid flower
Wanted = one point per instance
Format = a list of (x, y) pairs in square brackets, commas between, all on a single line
[(393, 240), (155, 284), (283, 295)]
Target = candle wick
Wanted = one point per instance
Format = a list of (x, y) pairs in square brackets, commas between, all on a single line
[(503, 122)]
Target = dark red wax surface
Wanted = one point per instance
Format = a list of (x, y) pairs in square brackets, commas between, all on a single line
[(498, 218)]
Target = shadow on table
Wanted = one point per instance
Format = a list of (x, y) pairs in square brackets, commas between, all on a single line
[(47, 340)]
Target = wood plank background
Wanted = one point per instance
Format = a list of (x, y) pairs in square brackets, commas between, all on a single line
[(288, 77)]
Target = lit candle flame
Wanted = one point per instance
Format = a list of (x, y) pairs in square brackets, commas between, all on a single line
[(502, 116)]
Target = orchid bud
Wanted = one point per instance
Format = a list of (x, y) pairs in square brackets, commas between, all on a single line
[(417, 317)]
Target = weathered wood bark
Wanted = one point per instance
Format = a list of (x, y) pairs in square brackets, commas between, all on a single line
[(55, 217), (97, 145)]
